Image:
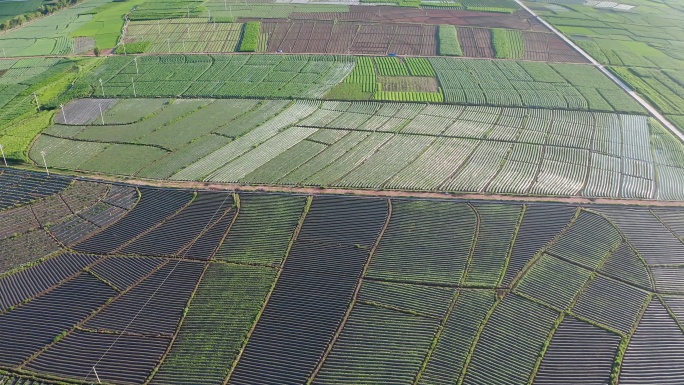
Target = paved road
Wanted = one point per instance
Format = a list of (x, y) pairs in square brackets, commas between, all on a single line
[(657, 115)]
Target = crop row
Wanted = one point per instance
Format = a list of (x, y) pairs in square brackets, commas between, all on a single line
[(414, 318), (490, 149)]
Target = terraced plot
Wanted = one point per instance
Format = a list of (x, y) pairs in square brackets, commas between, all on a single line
[(379, 145), (355, 272)]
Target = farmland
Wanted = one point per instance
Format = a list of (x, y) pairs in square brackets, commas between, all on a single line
[(639, 41), (189, 317), (341, 144), (357, 192)]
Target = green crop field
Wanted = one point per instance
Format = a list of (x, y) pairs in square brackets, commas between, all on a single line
[(327, 192), (497, 150), (640, 42), (183, 35), (49, 35), (219, 76)]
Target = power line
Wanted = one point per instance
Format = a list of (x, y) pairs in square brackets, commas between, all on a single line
[(152, 296)]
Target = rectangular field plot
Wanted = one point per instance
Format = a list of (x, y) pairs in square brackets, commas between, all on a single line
[(128, 359), (428, 301), (154, 306), (553, 281), (415, 249), (323, 36), (596, 303), (378, 346), (506, 354), (526, 84), (219, 317), (579, 353), (254, 76), (341, 144), (72, 301), (183, 35), (263, 229), (452, 15)]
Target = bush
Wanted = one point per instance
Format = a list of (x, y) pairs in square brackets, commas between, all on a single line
[(250, 37), (448, 41)]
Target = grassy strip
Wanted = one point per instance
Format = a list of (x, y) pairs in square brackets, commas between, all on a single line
[(507, 261), (491, 9), (250, 37), (18, 138), (508, 44), (137, 47), (223, 19), (405, 96), (448, 41)]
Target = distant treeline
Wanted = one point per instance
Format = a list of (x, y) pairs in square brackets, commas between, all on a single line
[(43, 10)]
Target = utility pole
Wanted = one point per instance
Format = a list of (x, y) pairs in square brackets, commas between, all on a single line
[(42, 153), (124, 47), (101, 115), (36, 98), (3, 155), (101, 86), (134, 94), (4, 53), (96, 376), (63, 114), (135, 59), (158, 27)]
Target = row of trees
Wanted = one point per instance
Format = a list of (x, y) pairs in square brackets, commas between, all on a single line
[(44, 10)]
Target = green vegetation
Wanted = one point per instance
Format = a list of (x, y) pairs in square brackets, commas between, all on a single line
[(419, 66), (390, 66), (13, 14), (263, 230), (167, 9), (639, 45), (402, 145), (182, 35), (220, 76), (49, 79), (220, 315), (133, 48), (363, 74), (17, 138), (107, 22), (448, 44), (510, 83), (507, 43), (433, 97), (250, 37)]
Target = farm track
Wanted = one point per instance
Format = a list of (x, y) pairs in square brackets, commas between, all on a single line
[(236, 187)]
